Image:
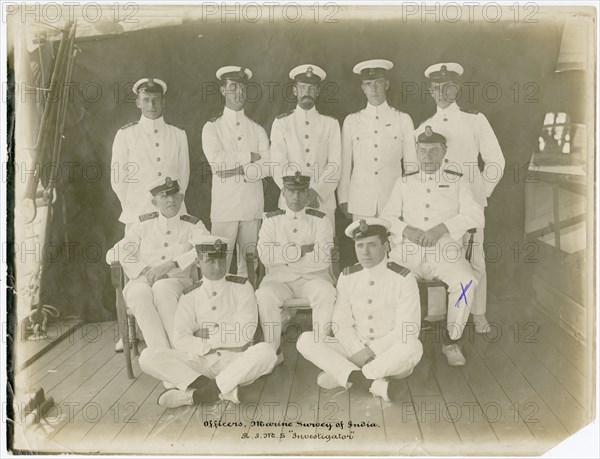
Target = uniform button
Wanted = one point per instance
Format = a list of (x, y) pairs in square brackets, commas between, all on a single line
[(369, 301), (166, 244), (163, 257), (307, 150), (214, 294), (427, 206), (426, 219), (375, 159), (358, 138), (446, 160), (370, 330), (156, 144), (158, 159), (375, 145), (428, 190), (306, 136), (376, 117), (159, 174), (237, 123), (307, 122), (156, 131), (371, 338), (239, 138), (294, 230), (370, 317), (169, 232), (214, 308), (245, 181), (216, 325), (219, 353), (376, 172), (307, 164), (375, 132), (371, 283), (395, 137)]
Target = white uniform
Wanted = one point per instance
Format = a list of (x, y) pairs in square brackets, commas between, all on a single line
[(237, 202), (142, 152), (424, 201), (377, 307), (469, 134), (374, 141), (308, 142), (151, 241), (290, 275), (227, 309)]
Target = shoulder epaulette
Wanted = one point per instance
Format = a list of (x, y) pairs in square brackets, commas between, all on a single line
[(192, 287), (283, 115), (148, 216), (315, 212), (236, 279), (274, 213), (472, 112), (448, 171), (190, 219), (398, 269), (410, 173), (353, 269), (215, 118), (131, 123)]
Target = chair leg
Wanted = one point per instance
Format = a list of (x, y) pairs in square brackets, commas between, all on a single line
[(133, 334), (124, 333)]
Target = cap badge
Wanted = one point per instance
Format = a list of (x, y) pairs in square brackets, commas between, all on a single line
[(309, 72), (218, 245), (363, 226), (428, 131)]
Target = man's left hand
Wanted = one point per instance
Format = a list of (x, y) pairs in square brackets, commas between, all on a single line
[(431, 236), (361, 358), (159, 272)]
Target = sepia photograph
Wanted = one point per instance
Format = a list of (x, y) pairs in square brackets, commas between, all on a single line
[(300, 228)]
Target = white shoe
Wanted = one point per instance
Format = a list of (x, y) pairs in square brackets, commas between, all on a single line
[(326, 381), (481, 323), (173, 398), (379, 388), (167, 385), (454, 355), (231, 396), (119, 346)]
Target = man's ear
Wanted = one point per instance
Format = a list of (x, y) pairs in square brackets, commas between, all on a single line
[(387, 84), (222, 89), (137, 101), (295, 90), (154, 202)]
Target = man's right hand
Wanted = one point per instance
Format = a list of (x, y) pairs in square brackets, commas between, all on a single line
[(344, 209), (306, 249), (230, 172), (254, 157), (413, 234), (202, 333)]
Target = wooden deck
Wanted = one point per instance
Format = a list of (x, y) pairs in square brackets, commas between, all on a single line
[(525, 387)]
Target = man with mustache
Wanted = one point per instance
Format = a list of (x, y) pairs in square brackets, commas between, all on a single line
[(303, 140), (469, 135), (147, 150), (374, 142), (431, 209), (236, 148), (156, 255)]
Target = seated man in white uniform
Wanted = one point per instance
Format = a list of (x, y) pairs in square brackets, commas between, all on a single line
[(213, 331), (376, 319), (157, 254), (295, 247), (431, 209)]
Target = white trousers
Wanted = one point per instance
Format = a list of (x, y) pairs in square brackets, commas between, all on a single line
[(271, 295), (478, 265), (445, 261), (228, 369), (245, 234), (331, 357), (154, 307)]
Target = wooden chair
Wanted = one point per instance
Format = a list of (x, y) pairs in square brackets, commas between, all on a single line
[(125, 319)]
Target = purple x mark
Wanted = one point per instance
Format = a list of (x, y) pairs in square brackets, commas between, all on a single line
[(464, 293)]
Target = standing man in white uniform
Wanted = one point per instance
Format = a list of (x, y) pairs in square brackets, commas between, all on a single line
[(146, 150), (431, 209), (236, 148), (468, 135), (213, 331), (374, 142), (377, 316), (308, 142), (155, 255), (295, 246)]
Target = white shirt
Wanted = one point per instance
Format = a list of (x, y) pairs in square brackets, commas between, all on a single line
[(376, 307), (280, 239), (227, 142), (467, 135), (374, 141), (426, 200), (306, 141), (142, 152), (226, 307), (154, 240)]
